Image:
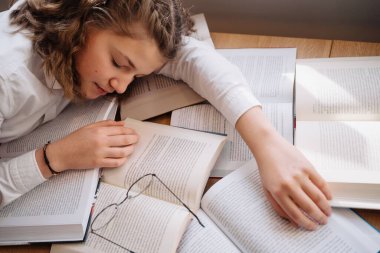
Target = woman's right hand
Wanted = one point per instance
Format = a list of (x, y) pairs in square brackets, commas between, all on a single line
[(104, 144)]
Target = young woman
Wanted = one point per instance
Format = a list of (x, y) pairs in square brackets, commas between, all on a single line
[(53, 52)]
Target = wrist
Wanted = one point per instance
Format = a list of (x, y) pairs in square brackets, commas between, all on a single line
[(47, 161), (39, 154), (255, 129), (53, 158)]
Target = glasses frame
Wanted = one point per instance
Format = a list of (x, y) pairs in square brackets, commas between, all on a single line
[(127, 196)]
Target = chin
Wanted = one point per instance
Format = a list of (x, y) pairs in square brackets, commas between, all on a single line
[(92, 97), (89, 95)]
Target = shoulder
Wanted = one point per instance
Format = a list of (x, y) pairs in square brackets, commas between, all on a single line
[(15, 46), (192, 45)]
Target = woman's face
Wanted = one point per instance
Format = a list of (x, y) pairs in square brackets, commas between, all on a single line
[(109, 62)]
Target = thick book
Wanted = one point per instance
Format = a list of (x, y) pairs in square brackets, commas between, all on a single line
[(58, 209), (270, 75), (239, 218), (155, 220), (338, 128), (154, 95)]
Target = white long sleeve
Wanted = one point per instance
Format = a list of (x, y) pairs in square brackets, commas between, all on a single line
[(213, 77), (18, 176), (25, 103)]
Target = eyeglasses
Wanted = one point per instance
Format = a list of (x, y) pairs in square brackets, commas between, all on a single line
[(106, 215)]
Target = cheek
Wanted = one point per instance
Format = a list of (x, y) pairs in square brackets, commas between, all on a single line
[(84, 59), (88, 69)]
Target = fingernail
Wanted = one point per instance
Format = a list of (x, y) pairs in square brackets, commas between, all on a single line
[(323, 222), (313, 227), (329, 211)]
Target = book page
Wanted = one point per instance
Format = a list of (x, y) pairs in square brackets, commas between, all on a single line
[(57, 209), (154, 95), (181, 158), (73, 117), (208, 239), (205, 117), (237, 204), (141, 224), (269, 72), (338, 89), (347, 155), (345, 151)]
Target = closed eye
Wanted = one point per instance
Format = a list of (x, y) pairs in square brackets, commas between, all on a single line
[(115, 64), (126, 68)]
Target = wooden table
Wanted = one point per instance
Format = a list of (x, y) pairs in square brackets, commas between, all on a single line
[(306, 48)]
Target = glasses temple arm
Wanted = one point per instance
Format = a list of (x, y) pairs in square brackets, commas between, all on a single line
[(196, 217)]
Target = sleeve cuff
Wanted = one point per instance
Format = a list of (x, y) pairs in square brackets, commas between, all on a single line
[(25, 173)]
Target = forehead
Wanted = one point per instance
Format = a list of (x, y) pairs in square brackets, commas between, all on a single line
[(141, 48)]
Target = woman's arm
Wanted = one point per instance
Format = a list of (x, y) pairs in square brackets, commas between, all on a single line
[(213, 77), (294, 188), (18, 176), (289, 179), (104, 144)]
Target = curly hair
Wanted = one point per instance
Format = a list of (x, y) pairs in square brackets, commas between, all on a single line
[(58, 28)]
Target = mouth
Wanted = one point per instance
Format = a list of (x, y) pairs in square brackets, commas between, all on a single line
[(100, 90)]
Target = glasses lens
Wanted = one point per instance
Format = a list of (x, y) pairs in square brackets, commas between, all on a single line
[(104, 217), (140, 186)]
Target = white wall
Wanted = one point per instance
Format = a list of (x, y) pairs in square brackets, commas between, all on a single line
[(327, 19)]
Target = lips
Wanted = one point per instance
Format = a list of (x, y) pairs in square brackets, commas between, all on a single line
[(100, 90)]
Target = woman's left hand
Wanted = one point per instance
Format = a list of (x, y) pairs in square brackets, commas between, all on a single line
[(296, 191)]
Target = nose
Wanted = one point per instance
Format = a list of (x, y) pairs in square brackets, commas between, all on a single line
[(121, 85)]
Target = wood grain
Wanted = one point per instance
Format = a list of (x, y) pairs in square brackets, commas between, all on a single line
[(352, 48), (306, 48)]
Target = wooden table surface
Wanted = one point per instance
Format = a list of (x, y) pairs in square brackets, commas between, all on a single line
[(306, 48)]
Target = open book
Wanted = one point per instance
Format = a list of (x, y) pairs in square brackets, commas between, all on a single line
[(58, 209), (156, 94), (270, 74), (155, 220), (338, 127), (239, 218)]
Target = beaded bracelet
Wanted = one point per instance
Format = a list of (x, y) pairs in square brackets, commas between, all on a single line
[(47, 160)]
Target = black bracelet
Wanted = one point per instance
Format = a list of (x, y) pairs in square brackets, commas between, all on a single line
[(47, 160)]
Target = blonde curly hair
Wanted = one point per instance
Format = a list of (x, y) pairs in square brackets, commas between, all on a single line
[(58, 28)]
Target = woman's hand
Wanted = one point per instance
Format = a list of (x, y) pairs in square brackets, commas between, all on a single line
[(296, 191), (294, 188), (103, 144)]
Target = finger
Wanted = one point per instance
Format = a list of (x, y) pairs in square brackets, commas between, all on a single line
[(119, 130), (104, 123), (320, 183), (317, 197), (308, 206), (122, 140), (278, 208), (294, 213), (275, 206), (120, 152), (113, 162)]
